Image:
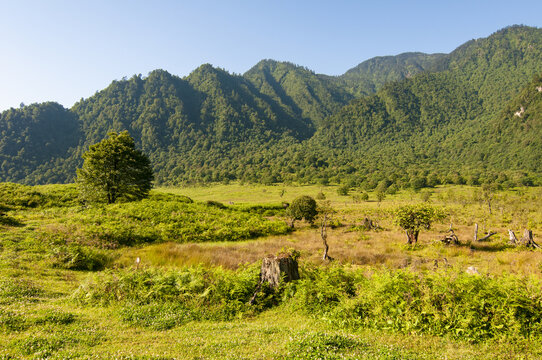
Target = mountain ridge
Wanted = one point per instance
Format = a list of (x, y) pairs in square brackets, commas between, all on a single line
[(283, 122)]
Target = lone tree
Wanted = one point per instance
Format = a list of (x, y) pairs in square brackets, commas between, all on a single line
[(115, 170), (413, 218), (303, 207)]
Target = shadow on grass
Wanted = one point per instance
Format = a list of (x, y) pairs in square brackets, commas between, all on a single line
[(9, 221), (486, 247)]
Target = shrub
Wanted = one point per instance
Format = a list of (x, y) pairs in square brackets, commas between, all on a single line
[(77, 257), (343, 190), (303, 207)]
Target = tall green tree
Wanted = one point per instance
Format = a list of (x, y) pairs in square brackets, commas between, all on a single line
[(114, 170)]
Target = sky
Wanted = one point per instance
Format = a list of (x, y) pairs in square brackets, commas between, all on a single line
[(60, 50)]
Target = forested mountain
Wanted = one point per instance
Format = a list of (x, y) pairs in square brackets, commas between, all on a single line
[(300, 91), (369, 76), (430, 118)]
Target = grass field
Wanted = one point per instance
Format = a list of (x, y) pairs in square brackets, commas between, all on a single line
[(70, 287)]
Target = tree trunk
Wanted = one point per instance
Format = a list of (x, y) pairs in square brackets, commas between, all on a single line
[(476, 232), (412, 236), (490, 234), (323, 234), (274, 268)]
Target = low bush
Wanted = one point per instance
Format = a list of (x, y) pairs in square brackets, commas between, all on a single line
[(459, 305), (77, 257), (163, 299), (151, 220)]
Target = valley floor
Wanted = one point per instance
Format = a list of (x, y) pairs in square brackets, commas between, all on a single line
[(40, 317)]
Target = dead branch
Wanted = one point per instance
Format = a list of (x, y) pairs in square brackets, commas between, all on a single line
[(489, 234)]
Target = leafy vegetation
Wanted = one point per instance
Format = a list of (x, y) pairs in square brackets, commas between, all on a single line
[(114, 170), (413, 218), (302, 208), (70, 285)]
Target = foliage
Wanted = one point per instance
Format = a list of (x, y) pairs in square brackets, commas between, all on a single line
[(303, 207), (159, 218), (414, 218), (343, 190), (417, 217), (115, 170), (462, 306), (163, 299), (76, 257)]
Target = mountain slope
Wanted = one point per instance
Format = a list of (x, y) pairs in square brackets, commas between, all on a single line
[(34, 140), (369, 76), (302, 93)]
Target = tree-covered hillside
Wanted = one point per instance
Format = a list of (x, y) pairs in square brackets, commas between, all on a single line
[(34, 140), (301, 92), (369, 76), (434, 118)]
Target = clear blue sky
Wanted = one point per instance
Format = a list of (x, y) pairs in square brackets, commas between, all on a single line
[(64, 50)]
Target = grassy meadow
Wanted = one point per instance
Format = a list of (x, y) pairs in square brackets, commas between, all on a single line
[(70, 286)]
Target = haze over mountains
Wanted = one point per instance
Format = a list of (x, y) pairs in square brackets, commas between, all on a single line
[(427, 117)]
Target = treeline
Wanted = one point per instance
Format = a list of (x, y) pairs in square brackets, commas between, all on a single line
[(405, 120)]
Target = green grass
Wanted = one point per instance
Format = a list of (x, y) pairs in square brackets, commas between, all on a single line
[(70, 288)]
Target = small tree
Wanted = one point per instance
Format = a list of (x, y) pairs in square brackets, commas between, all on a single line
[(114, 170), (413, 218), (303, 207), (380, 195)]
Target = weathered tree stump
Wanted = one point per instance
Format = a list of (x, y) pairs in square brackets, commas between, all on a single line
[(274, 269), (488, 235), (513, 239), (450, 238), (528, 241), (369, 224)]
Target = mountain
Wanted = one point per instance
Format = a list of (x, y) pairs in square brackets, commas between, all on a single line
[(517, 132), (435, 117), (445, 121), (302, 93), (369, 76), (34, 142)]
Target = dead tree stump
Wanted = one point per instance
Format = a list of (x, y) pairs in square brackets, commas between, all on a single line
[(512, 237), (369, 224), (274, 269), (528, 241)]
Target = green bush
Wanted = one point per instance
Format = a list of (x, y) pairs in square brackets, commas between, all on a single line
[(175, 220), (459, 305), (76, 257), (343, 190), (163, 299)]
